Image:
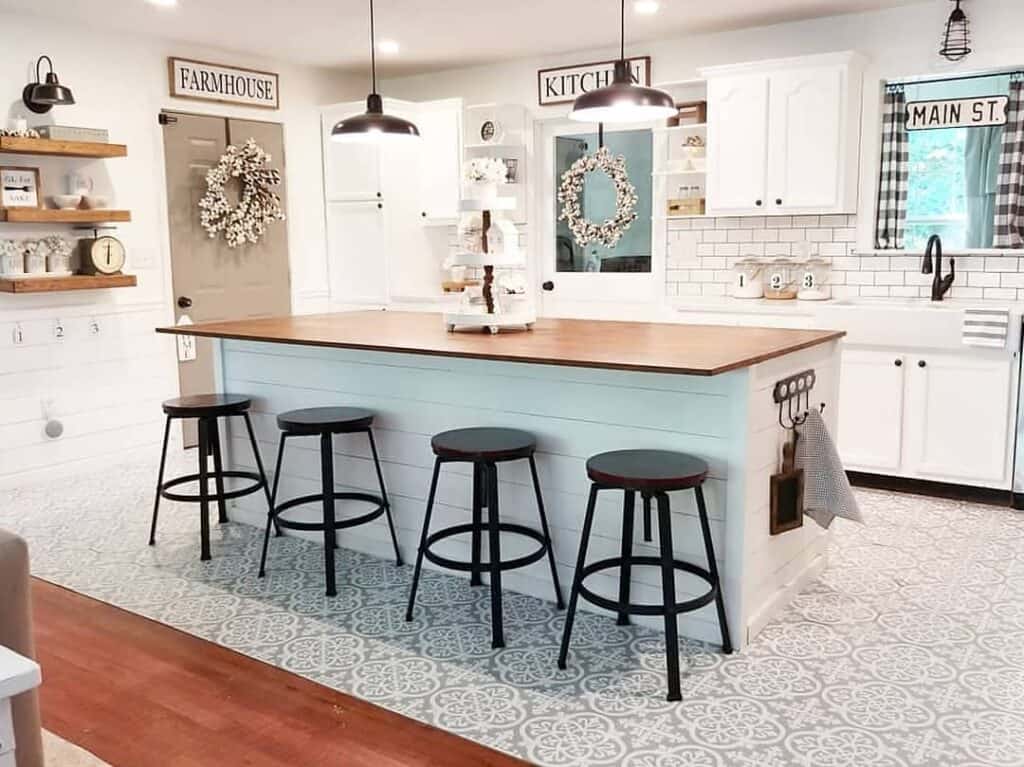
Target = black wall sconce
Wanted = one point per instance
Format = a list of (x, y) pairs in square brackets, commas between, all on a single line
[(956, 42), (41, 96)]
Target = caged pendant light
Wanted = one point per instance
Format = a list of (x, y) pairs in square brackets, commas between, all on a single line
[(373, 125), (623, 101), (956, 43)]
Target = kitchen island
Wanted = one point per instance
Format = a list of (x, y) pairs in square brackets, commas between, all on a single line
[(582, 387)]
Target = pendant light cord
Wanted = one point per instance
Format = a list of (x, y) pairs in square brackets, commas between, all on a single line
[(373, 51), (622, 32)]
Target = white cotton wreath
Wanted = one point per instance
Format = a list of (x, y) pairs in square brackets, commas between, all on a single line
[(258, 204), (609, 232)]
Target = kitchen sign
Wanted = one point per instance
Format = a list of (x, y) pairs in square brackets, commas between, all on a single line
[(202, 81), (563, 85), (957, 113)]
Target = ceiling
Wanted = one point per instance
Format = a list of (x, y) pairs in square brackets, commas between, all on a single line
[(433, 34)]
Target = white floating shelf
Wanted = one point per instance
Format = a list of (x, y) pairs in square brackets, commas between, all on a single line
[(695, 128), (487, 259), (473, 205), (511, 147)]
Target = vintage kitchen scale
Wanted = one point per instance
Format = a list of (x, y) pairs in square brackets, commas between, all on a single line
[(490, 241)]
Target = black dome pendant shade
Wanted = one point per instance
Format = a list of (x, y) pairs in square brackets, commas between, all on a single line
[(623, 101), (373, 125), (40, 97)]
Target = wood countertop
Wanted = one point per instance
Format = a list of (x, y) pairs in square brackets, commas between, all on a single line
[(702, 350)]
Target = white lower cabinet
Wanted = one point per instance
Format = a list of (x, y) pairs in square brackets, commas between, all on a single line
[(941, 416), (871, 391)]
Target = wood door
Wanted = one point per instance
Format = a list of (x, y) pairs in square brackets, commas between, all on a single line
[(212, 281), (737, 144), (871, 391), (958, 417), (806, 140)]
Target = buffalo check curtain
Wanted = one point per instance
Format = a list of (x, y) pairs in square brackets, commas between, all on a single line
[(1009, 223), (893, 182)]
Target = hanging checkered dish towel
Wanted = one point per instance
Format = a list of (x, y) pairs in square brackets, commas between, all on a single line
[(827, 492), (1009, 224), (894, 180)]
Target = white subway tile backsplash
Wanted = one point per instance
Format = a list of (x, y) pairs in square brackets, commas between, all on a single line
[(702, 252)]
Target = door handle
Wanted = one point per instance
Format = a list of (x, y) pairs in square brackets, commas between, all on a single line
[(184, 302), (548, 286)]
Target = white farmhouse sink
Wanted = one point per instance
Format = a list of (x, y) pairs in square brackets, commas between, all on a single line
[(903, 322)]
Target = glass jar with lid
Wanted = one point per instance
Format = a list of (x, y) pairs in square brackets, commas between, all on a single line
[(814, 280), (748, 278), (781, 279)]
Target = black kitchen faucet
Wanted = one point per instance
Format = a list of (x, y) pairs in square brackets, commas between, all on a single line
[(940, 284)]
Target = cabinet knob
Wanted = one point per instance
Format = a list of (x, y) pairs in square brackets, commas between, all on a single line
[(922, 363), (898, 363), (758, 203), (778, 201), (548, 286), (379, 194), (380, 206), (424, 214)]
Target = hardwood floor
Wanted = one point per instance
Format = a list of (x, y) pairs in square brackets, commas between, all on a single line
[(138, 693)]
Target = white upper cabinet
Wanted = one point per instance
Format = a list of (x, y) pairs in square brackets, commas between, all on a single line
[(351, 171), (737, 143), (440, 160), (784, 136)]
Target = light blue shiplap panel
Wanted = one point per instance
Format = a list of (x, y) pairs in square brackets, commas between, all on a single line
[(573, 412)]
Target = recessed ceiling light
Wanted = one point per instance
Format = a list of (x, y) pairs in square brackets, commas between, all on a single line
[(389, 47), (646, 7), (163, 3)]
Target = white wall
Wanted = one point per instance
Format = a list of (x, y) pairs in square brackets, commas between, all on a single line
[(900, 42), (107, 388)]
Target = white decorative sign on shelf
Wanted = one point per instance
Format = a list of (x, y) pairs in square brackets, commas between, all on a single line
[(562, 85), (203, 81), (957, 113)]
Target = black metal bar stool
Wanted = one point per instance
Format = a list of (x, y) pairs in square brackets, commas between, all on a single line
[(485, 448), (325, 422), (207, 409), (653, 474)]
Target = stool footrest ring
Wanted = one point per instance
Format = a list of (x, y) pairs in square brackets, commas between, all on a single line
[(339, 524), (212, 476), (634, 609), (483, 529)]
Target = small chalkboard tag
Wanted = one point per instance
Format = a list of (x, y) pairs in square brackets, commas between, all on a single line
[(787, 492), (186, 344)]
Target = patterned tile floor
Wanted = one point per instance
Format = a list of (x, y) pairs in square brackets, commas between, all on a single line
[(909, 651)]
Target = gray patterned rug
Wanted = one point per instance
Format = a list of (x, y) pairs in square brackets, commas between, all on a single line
[(909, 651)]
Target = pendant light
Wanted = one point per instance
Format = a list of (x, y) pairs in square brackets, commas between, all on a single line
[(373, 125), (956, 42), (623, 101)]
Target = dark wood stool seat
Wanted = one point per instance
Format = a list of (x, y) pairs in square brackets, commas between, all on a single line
[(207, 409), (485, 448), (652, 474), (205, 405), (330, 420), (647, 470), (325, 422), (484, 444)]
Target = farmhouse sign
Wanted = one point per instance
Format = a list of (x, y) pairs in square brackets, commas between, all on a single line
[(563, 84), (957, 113), (203, 81)]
